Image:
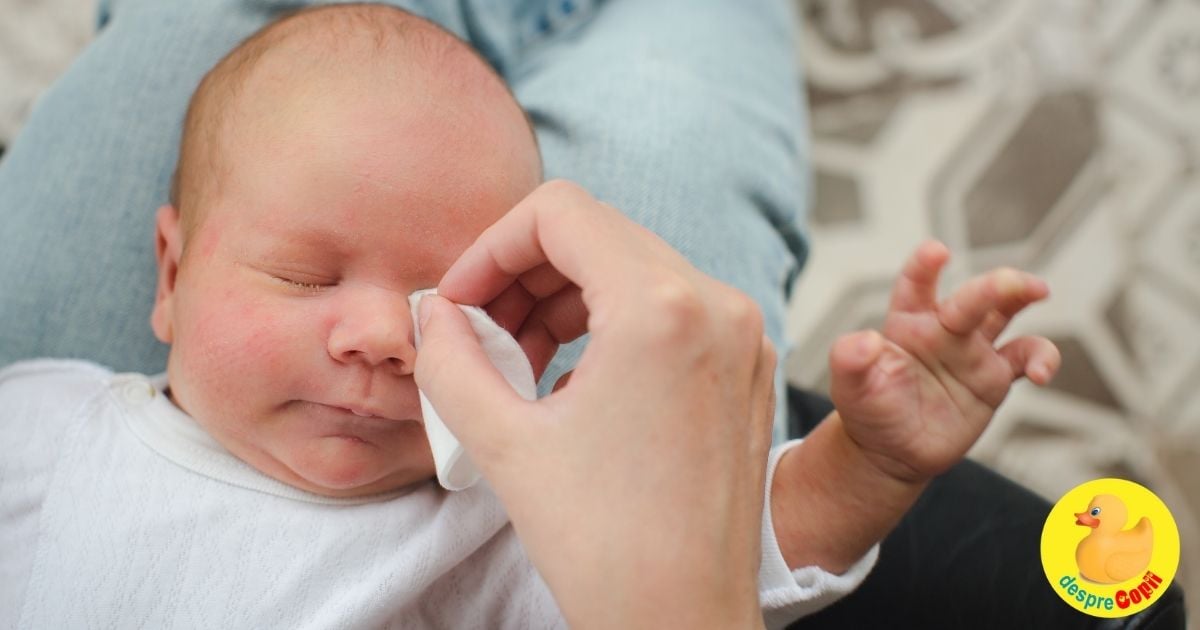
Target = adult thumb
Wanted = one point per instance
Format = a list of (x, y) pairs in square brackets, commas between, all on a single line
[(472, 398)]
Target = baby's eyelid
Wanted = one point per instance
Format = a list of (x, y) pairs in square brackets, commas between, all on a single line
[(307, 286)]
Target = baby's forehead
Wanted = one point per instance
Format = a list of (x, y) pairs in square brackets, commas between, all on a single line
[(330, 67), (355, 57), (379, 45)]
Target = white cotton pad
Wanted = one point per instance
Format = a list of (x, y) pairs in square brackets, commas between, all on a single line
[(455, 471)]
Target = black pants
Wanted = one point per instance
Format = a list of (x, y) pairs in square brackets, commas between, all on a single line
[(965, 556)]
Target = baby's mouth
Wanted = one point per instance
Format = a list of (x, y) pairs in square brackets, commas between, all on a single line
[(361, 411), (358, 424), (368, 425), (364, 414)]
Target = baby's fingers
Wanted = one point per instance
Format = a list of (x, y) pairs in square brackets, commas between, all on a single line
[(916, 288), (1001, 294), (1034, 357), (850, 361)]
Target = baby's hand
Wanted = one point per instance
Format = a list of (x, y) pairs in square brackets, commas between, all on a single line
[(918, 396)]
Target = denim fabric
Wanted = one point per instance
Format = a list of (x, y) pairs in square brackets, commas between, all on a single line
[(686, 114)]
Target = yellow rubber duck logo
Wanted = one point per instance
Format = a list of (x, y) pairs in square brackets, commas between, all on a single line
[(1111, 553), (1117, 556)]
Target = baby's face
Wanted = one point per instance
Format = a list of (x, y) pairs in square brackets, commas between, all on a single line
[(292, 339)]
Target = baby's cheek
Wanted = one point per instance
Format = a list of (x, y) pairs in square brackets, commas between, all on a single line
[(239, 339)]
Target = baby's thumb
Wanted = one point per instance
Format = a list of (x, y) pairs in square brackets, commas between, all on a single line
[(850, 363), (472, 398)]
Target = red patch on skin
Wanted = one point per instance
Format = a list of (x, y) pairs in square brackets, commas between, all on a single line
[(208, 238)]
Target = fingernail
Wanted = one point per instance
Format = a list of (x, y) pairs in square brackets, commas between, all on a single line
[(425, 309), (1008, 282), (1039, 372)]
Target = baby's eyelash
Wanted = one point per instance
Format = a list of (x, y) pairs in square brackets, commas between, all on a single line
[(304, 286)]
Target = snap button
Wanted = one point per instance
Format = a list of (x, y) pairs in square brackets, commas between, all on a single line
[(136, 390)]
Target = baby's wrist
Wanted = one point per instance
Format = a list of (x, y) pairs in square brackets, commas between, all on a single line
[(830, 503), (873, 469), (889, 469)]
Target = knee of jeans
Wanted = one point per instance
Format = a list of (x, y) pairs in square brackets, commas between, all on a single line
[(652, 124), (711, 171)]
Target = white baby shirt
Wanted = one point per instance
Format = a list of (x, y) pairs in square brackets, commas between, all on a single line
[(118, 511)]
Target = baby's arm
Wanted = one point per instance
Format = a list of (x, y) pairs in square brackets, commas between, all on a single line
[(909, 404)]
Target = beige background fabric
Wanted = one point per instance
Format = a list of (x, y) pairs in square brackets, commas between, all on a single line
[(1059, 136), (38, 38)]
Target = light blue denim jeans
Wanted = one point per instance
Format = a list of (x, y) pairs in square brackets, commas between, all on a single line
[(685, 114)]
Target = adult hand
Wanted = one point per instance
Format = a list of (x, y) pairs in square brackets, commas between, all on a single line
[(637, 487)]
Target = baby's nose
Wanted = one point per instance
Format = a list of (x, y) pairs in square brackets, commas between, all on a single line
[(375, 329)]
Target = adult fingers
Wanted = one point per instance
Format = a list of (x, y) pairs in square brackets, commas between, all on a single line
[(1003, 291), (540, 325), (449, 356), (916, 288), (560, 224), (556, 320), (1034, 357), (511, 307), (513, 304), (763, 396)]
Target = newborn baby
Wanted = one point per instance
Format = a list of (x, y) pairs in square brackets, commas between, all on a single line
[(279, 475), (330, 166)]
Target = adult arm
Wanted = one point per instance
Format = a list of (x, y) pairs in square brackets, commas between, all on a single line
[(636, 488)]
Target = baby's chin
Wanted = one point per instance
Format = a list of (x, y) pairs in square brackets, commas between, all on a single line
[(339, 466)]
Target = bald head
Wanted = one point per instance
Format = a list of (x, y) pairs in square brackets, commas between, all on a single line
[(342, 53)]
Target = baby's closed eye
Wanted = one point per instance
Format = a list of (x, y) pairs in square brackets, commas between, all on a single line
[(304, 285), (308, 280)]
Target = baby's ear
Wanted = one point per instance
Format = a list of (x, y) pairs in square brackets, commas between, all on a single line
[(168, 247)]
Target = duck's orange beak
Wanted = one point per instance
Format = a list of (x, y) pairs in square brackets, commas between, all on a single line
[(1083, 518)]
